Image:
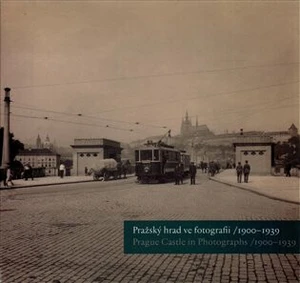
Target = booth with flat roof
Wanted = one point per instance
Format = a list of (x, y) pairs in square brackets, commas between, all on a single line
[(257, 150), (86, 152)]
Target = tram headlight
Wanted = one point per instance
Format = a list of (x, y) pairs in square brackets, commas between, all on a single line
[(147, 169)]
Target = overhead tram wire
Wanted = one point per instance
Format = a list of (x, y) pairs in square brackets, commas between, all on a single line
[(153, 104), (90, 117), (157, 75), (178, 100), (234, 111), (75, 123), (83, 124), (198, 97)]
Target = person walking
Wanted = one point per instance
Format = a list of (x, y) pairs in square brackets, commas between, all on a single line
[(9, 176), (193, 171), (62, 169), (28, 172), (239, 172), (287, 169), (246, 170)]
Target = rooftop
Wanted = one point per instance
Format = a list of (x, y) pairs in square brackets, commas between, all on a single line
[(37, 151)]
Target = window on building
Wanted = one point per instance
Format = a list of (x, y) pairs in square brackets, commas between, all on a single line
[(95, 154), (81, 155), (253, 153), (245, 152), (88, 155)]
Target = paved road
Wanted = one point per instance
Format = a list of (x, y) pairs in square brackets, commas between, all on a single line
[(74, 233)]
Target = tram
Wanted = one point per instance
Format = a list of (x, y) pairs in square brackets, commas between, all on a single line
[(156, 162)]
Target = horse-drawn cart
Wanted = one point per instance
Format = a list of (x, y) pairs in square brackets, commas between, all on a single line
[(104, 169)]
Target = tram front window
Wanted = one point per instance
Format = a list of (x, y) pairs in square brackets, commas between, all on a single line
[(146, 155), (137, 153), (156, 154)]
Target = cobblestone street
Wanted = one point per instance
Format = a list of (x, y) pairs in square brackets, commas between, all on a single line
[(74, 233)]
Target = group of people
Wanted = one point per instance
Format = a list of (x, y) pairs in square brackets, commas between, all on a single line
[(179, 173), (243, 169), (212, 167), (7, 175)]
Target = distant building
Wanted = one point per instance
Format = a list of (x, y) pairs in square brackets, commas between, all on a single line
[(86, 152), (40, 158), (39, 142), (190, 130), (46, 144), (284, 136)]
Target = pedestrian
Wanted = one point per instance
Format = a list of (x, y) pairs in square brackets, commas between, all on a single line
[(181, 172), (246, 170), (86, 171), (193, 171), (125, 165), (9, 176), (119, 170), (177, 174), (62, 169), (239, 172), (212, 168), (287, 169), (28, 172), (3, 177)]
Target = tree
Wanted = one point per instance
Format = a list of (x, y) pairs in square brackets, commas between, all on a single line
[(293, 155), (14, 147)]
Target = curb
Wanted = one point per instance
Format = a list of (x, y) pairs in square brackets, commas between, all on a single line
[(50, 184), (253, 191), (44, 185)]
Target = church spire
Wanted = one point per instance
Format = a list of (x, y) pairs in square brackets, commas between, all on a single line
[(186, 116), (38, 142)]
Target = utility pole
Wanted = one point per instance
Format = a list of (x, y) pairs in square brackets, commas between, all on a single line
[(6, 155)]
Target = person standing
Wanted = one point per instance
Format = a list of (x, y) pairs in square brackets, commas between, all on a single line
[(181, 172), (119, 170), (246, 170), (239, 172), (193, 171), (62, 170), (177, 174)]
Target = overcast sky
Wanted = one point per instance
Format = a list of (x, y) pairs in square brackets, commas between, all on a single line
[(233, 64)]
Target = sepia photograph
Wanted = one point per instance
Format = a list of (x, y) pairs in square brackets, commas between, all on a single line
[(149, 141)]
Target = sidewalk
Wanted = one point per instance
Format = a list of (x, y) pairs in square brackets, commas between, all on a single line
[(45, 181), (274, 187), (53, 180)]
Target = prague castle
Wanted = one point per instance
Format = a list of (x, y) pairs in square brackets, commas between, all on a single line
[(189, 130)]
